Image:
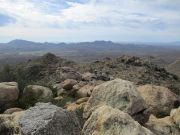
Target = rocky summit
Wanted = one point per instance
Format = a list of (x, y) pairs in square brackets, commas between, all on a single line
[(123, 96)]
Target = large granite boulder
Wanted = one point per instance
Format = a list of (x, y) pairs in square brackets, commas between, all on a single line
[(169, 125), (48, 119), (9, 93), (109, 121), (159, 99), (119, 94), (35, 93)]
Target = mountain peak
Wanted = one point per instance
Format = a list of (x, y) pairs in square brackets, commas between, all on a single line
[(20, 42)]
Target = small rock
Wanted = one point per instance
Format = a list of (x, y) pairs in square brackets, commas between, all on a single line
[(68, 84), (12, 110), (85, 91), (82, 100)]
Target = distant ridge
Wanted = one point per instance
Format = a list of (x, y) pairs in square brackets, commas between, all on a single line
[(85, 51)]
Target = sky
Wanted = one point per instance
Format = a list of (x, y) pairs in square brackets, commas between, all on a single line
[(90, 20)]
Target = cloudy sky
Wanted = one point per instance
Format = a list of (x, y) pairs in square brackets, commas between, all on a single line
[(88, 20)]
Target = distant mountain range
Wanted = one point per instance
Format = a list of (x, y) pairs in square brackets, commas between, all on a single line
[(85, 51)]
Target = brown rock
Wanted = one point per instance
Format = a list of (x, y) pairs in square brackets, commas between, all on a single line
[(160, 99), (85, 91), (163, 126), (68, 84)]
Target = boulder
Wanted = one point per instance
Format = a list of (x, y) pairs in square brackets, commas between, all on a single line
[(12, 110), (85, 91), (175, 115), (106, 120), (159, 99), (9, 93), (68, 84), (48, 119), (35, 93), (9, 124), (119, 94), (168, 125)]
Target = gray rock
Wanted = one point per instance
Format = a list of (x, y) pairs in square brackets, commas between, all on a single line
[(48, 119), (119, 94)]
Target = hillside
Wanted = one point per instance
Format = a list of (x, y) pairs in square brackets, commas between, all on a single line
[(174, 68), (135, 69), (46, 70)]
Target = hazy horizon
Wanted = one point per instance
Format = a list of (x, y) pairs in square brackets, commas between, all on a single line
[(90, 20), (118, 42)]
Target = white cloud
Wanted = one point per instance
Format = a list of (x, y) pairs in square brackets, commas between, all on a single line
[(124, 16)]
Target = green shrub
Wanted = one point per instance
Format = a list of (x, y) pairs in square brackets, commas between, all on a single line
[(7, 74), (175, 88)]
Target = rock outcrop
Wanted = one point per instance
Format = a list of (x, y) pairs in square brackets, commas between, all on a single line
[(64, 73), (35, 93), (9, 93), (48, 119), (109, 121), (169, 125), (159, 99), (119, 94)]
